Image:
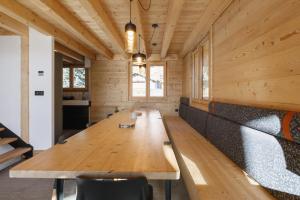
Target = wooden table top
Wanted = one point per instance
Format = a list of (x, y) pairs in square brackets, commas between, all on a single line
[(105, 150)]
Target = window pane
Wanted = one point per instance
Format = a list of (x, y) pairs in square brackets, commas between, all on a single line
[(157, 81), (138, 81), (196, 72), (205, 71), (66, 77), (78, 77)]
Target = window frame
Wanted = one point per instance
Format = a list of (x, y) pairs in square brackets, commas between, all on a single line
[(197, 99), (71, 78), (148, 97)]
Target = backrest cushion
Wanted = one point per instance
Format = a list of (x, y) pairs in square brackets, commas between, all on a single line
[(272, 162), (282, 124), (194, 117), (185, 101), (253, 139)]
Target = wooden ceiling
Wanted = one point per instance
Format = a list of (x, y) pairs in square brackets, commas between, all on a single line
[(97, 26)]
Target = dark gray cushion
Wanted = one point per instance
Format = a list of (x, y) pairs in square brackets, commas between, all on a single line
[(271, 161), (282, 124), (185, 101), (183, 111)]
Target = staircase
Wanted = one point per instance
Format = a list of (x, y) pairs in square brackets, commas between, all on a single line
[(22, 149)]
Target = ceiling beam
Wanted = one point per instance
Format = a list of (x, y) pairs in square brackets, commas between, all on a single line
[(96, 10), (12, 25), (26, 16), (64, 16), (72, 61), (212, 12), (68, 52), (137, 19), (174, 10)]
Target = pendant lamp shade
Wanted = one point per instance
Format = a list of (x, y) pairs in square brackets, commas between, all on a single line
[(139, 59), (130, 35)]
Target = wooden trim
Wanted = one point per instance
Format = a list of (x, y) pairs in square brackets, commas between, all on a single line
[(174, 11), (200, 104), (26, 16), (25, 87), (197, 71)]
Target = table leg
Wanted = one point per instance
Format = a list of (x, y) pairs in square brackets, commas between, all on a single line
[(59, 185), (168, 190)]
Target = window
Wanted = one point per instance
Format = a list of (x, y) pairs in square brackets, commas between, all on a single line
[(157, 81), (75, 78), (138, 81), (148, 82), (201, 72), (66, 78)]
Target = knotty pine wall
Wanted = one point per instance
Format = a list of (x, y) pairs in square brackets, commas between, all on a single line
[(109, 88), (256, 54)]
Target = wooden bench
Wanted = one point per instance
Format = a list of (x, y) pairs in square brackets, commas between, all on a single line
[(207, 172)]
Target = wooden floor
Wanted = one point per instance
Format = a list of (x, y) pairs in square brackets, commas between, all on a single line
[(41, 189)]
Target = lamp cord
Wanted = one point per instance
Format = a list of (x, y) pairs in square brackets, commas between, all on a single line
[(130, 10), (145, 9), (139, 43)]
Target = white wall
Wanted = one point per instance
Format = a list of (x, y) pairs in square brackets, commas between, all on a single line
[(10, 88), (41, 108), (10, 82)]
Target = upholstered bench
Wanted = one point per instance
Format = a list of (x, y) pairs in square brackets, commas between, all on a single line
[(214, 147), (207, 172)]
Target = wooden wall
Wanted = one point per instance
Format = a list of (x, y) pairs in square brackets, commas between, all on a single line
[(109, 88), (256, 54)]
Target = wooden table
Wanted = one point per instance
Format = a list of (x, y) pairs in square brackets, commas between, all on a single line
[(105, 150)]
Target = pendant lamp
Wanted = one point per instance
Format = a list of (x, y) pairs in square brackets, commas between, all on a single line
[(130, 34), (139, 58)]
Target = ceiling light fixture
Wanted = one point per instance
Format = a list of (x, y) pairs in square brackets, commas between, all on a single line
[(139, 58), (130, 34)]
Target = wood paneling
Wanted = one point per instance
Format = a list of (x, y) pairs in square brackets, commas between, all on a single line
[(256, 60), (211, 13), (256, 54), (109, 88)]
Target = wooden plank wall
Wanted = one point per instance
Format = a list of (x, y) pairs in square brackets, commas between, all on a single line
[(109, 88), (256, 54)]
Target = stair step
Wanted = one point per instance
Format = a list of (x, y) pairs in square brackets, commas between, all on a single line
[(7, 140), (2, 129), (13, 154)]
